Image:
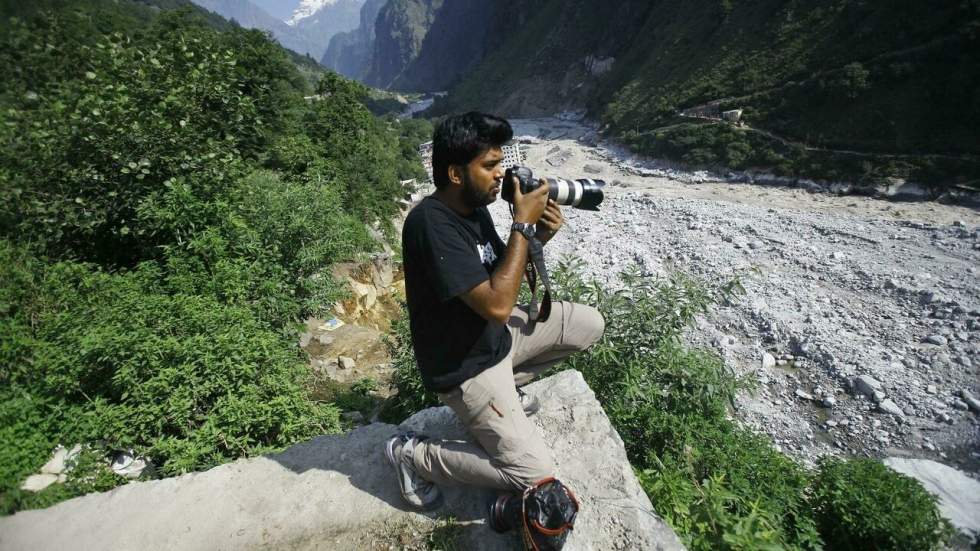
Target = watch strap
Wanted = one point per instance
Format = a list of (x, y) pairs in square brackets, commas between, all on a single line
[(525, 229)]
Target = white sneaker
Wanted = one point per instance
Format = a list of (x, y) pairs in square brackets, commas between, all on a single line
[(417, 491)]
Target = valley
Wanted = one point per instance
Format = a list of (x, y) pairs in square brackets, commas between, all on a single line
[(836, 287)]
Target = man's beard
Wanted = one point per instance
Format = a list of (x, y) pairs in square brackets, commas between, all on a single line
[(473, 197)]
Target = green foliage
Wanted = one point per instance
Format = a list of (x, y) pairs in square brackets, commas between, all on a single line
[(721, 145), (116, 358), (170, 206), (720, 486), (862, 504), (93, 132), (849, 76)]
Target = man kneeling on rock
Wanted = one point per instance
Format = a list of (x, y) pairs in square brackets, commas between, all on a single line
[(474, 348)]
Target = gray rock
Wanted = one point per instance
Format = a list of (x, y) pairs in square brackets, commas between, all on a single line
[(866, 384), (325, 339), (333, 491), (304, 340), (959, 495), (768, 361), (592, 169), (353, 416), (345, 362), (890, 407), (756, 244), (938, 340), (36, 483), (960, 405), (829, 401), (60, 459), (970, 400), (803, 395), (931, 389)]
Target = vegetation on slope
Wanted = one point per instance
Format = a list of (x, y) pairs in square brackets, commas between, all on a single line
[(719, 485), (888, 89), (170, 206)]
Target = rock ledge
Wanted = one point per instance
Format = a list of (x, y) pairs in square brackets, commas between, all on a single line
[(334, 491)]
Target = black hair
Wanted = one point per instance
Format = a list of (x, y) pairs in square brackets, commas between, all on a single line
[(461, 138)]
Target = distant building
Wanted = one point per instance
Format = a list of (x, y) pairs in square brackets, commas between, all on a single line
[(425, 153), (513, 155), (733, 115)]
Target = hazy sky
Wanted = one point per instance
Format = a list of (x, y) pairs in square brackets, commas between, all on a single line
[(281, 9)]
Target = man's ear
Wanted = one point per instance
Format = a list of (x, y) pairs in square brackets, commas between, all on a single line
[(456, 174)]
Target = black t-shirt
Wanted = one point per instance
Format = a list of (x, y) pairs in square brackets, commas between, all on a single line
[(445, 255)]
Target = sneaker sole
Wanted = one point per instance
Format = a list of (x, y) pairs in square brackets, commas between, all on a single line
[(390, 451)]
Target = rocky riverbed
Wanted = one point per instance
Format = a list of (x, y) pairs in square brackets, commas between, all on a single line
[(860, 321)]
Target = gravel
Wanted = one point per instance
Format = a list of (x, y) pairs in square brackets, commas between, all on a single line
[(839, 290)]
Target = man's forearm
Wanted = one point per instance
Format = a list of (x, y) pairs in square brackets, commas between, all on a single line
[(506, 279)]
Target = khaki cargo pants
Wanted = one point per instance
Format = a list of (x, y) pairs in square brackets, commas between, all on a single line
[(511, 453)]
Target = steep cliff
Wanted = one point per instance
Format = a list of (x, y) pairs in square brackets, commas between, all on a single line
[(460, 35), (400, 29), (333, 18), (349, 53)]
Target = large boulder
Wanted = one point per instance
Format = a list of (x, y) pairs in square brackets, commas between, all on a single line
[(958, 494), (338, 492)]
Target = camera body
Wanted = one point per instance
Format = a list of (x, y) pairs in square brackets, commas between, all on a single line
[(584, 193)]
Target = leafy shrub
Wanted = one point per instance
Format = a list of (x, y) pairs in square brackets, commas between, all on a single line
[(152, 268), (862, 504), (188, 380), (126, 120), (718, 485)]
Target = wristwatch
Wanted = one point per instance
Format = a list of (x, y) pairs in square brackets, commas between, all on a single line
[(527, 230)]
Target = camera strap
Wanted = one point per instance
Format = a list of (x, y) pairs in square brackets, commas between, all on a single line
[(535, 267)]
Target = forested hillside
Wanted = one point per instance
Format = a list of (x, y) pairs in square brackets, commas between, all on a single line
[(829, 89), (170, 207)]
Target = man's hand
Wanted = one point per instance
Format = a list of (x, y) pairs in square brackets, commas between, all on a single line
[(528, 208), (550, 222)]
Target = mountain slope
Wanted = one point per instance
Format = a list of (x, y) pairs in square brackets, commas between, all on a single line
[(309, 35), (349, 53), (332, 18), (457, 39), (892, 82), (400, 29)]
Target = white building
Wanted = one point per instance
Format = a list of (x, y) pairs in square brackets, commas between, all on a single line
[(514, 155)]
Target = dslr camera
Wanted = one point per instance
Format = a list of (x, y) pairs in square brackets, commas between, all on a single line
[(584, 193)]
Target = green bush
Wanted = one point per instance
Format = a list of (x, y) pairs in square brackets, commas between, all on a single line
[(862, 504), (186, 379), (152, 267), (128, 120)]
